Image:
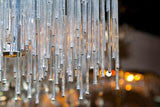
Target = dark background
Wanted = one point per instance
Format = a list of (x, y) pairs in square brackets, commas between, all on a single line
[(141, 14), (140, 46)]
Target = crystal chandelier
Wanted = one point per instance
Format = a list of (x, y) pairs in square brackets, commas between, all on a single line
[(58, 40)]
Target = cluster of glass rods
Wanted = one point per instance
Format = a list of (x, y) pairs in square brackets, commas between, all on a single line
[(58, 40)]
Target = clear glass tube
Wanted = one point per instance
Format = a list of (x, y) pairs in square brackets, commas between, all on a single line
[(59, 41)]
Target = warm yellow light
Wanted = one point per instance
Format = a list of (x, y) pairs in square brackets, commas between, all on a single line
[(3, 98), (126, 74), (121, 81), (19, 98), (121, 73), (130, 78), (100, 73), (128, 87), (137, 77)]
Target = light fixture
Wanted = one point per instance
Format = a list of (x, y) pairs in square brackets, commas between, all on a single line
[(58, 40)]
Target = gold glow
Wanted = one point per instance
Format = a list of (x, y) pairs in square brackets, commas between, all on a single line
[(128, 87), (137, 77), (121, 81)]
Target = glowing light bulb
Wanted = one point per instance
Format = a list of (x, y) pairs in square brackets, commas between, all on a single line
[(109, 74), (130, 78)]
